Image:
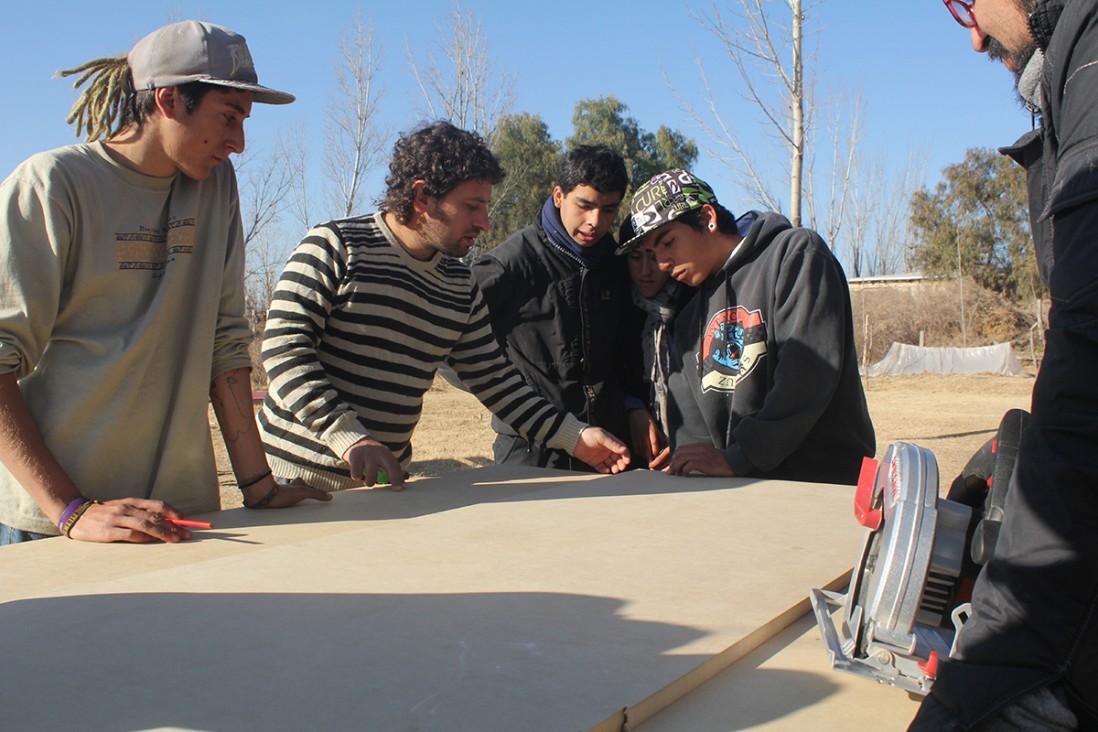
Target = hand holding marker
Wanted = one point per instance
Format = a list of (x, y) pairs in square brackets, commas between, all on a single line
[(189, 523)]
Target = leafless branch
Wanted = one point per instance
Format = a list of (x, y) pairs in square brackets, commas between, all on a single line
[(768, 61), (845, 130), (353, 142), (462, 87), (724, 146), (296, 151), (264, 185)]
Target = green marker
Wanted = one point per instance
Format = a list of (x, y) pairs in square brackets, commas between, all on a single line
[(382, 477)]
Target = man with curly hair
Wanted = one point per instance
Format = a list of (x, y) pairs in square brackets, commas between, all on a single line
[(370, 307), (122, 308)]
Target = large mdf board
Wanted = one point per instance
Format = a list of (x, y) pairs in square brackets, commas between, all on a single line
[(493, 599), (787, 685)]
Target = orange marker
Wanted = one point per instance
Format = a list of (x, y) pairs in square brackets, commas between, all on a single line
[(188, 522)]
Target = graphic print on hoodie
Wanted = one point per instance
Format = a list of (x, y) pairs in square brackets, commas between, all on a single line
[(733, 344)]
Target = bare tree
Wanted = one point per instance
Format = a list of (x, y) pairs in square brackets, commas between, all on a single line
[(264, 183), (353, 142), (844, 128), (892, 234), (860, 217), (296, 151), (463, 87), (757, 48), (266, 258), (765, 42), (796, 104), (879, 232)]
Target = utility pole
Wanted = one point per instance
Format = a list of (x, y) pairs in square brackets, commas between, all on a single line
[(796, 163), (961, 290)]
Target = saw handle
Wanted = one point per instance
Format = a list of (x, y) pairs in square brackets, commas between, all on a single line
[(863, 497)]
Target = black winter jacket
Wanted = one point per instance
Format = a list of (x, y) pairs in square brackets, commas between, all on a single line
[(1035, 604), (558, 321)]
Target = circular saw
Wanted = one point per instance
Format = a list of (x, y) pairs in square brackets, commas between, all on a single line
[(910, 587)]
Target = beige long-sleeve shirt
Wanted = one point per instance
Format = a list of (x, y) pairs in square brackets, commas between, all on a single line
[(121, 296)]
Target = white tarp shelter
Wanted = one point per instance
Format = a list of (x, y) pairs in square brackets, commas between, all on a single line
[(905, 359)]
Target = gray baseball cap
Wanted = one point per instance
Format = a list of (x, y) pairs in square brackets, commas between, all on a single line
[(190, 50), (662, 199)]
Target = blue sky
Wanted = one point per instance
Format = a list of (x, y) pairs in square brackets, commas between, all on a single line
[(923, 88)]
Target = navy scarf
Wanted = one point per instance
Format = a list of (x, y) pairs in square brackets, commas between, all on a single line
[(562, 240)]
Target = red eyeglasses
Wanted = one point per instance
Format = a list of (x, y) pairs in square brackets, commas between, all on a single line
[(962, 12)]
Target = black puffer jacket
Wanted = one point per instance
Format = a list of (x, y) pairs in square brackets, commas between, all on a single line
[(558, 321)]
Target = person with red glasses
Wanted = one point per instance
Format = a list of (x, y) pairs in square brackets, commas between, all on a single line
[(1027, 658)]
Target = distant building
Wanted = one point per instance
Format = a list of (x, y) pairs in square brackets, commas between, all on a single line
[(909, 279)]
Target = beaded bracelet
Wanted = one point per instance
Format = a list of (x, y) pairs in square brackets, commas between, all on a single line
[(253, 481), (75, 504), (80, 510)]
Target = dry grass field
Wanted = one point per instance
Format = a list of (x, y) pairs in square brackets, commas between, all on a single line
[(950, 415)]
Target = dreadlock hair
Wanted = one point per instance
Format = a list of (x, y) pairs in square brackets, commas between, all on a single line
[(98, 111), (110, 104)]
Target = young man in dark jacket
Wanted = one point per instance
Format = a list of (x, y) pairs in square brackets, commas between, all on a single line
[(556, 293), (1027, 658), (764, 377)]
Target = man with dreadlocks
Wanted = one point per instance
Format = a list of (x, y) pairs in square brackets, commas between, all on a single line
[(122, 305)]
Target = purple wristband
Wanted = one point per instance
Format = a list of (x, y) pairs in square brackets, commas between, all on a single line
[(68, 512)]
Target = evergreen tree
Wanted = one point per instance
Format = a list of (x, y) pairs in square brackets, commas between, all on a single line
[(606, 120), (530, 157), (978, 214)]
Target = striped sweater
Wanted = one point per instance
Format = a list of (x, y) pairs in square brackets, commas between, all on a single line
[(356, 331)]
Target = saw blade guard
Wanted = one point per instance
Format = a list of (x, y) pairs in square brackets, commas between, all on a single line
[(897, 615)]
